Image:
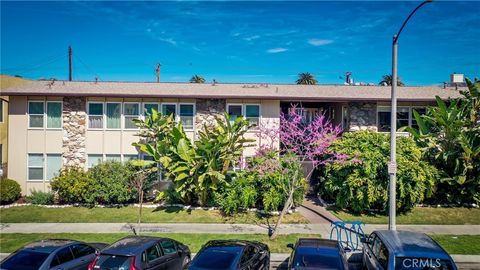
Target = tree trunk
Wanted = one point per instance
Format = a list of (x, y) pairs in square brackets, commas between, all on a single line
[(286, 206), (140, 208)]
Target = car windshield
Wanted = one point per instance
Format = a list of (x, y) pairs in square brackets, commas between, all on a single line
[(323, 261), (25, 260), (215, 259), (113, 262), (413, 263)]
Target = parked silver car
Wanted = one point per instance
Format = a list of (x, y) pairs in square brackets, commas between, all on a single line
[(52, 254)]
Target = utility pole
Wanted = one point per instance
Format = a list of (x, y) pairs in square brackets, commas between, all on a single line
[(69, 63), (392, 165), (157, 72)]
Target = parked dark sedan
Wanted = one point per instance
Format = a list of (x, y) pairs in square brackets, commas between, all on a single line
[(397, 250), (142, 252), (56, 254), (232, 254), (312, 253)]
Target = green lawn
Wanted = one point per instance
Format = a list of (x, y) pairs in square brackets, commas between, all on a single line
[(419, 215), (129, 214), (459, 244), (9, 242)]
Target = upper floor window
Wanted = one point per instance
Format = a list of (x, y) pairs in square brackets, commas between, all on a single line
[(187, 115), (234, 111), (149, 107), (404, 117), (131, 111), (95, 115), (113, 115), (37, 114), (1, 110), (169, 109), (252, 113)]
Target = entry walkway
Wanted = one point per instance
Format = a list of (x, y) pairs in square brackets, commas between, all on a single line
[(322, 229)]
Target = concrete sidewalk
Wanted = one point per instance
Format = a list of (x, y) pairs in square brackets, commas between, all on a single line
[(323, 229)]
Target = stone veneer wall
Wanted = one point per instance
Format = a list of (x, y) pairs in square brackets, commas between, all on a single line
[(363, 116), (74, 127), (207, 109)]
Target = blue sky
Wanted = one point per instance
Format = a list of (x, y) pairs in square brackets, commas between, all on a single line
[(239, 41)]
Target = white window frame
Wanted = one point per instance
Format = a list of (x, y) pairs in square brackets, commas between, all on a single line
[(389, 109), (124, 115), (193, 116), (88, 157), (244, 111), (44, 112), (170, 103), (103, 115), (235, 104), (142, 113), (43, 167)]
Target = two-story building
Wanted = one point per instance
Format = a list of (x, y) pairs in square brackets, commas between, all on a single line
[(61, 123)]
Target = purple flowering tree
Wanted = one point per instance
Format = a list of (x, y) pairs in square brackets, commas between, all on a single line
[(304, 142)]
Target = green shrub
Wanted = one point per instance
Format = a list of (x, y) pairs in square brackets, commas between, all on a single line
[(40, 197), (10, 191), (360, 182), (169, 196), (73, 185), (111, 183), (263, 185)]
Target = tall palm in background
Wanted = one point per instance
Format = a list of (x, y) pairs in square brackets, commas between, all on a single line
[(387, 81), (306, 78), (197, 79)]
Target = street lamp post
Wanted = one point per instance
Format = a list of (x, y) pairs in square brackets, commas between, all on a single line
[(392, 166)]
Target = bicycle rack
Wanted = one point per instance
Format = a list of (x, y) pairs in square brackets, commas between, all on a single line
[(345, 229)]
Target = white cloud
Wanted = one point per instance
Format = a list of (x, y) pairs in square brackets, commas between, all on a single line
[(276, 50), (250, 38), (319, 42)]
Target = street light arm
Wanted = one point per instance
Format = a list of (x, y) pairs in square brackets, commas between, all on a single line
[(408, 18)]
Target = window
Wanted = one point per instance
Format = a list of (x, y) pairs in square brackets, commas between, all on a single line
[(113, 157), (54, 114), (35, 166), (54, 164), (94, 159), (1, 110), (384, 114), (168, 247), (81, 250), (149, 107), (420, 111), (252, 113), (36, 114), (113, 115), (152, 253), (248, 254), (95, 115), (186, 115), (63, 256), (234, 111), (169, 109), (129, 157), (131, 111)]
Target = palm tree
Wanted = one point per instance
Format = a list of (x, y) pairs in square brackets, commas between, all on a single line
[(387, 81), (197, 79), (306, 78)]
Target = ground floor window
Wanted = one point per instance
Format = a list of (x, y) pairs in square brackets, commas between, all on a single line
[(404, 117), (35, 166), (44, 167)]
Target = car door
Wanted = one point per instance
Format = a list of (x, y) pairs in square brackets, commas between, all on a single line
[(83, 254), (379, 259), (63, 259), (154, 258), (369, 257), (172, 257)]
